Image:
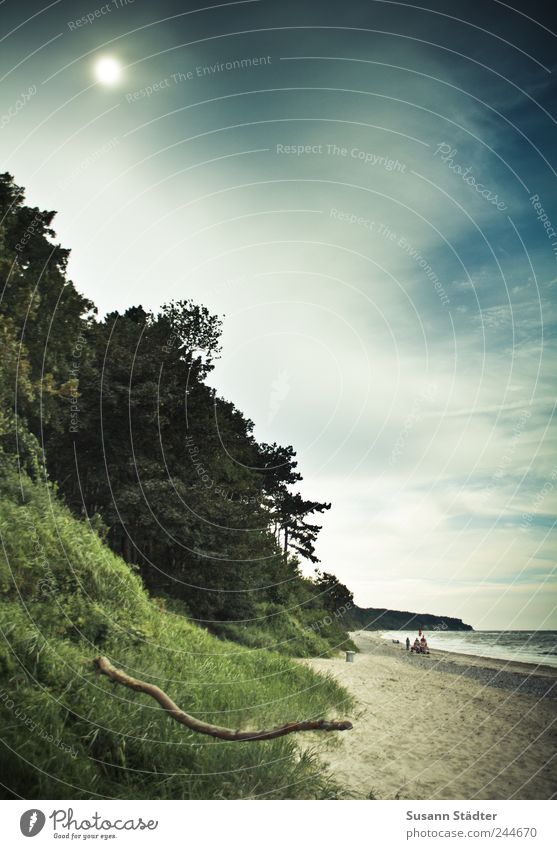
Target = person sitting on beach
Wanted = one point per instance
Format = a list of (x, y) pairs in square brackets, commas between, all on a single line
[(416, 646), (423, 645)]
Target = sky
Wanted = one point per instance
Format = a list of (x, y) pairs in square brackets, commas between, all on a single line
[(366, 192)]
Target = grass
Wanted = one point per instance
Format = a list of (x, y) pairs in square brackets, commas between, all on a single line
[(296, 633), (68, 733)]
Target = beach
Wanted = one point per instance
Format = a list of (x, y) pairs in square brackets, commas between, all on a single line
[(442, 726)]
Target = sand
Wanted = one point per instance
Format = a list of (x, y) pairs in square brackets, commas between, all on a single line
[(434, 728)]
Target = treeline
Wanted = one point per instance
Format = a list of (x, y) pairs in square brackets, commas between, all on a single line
[(118, 414)]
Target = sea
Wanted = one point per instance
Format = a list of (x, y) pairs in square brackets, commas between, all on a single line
[(525, 646)]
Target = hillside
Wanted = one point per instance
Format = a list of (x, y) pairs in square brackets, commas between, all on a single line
[(66, 732)]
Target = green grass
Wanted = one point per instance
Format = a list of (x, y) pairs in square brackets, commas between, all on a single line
[(69, 733), (295, 633)]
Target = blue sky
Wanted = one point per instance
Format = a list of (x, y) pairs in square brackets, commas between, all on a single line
[(361, 188)]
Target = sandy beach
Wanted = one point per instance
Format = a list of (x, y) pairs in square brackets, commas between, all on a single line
[(443, 726)]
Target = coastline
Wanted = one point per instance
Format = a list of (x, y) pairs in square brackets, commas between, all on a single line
[(442, 726), (486, 659), (535, 679), (487, 662)]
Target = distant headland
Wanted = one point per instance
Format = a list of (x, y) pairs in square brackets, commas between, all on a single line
[(379, 618)]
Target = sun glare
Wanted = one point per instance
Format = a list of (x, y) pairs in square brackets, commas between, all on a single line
[(107, 70)]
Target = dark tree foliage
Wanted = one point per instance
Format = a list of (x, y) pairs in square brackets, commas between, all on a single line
[(333, 595), (167, 464), (291, 513), (43, 311)]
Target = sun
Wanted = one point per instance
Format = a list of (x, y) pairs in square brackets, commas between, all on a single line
[(107, 70)]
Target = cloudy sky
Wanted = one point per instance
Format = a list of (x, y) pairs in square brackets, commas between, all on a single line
[(366, 190)]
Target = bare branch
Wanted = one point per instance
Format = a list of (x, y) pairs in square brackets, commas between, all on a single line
[(104, 666)]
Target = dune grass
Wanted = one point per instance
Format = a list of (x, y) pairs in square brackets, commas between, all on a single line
[(296, 633), (69, 733)]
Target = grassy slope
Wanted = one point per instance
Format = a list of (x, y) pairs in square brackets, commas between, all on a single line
[(296, 633), (65, 597)]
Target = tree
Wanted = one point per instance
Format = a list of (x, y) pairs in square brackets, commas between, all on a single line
[(291, 515), (44, 311), (334, 595), (171, 468)]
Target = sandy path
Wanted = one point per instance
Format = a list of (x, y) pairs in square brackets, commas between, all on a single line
[(424, 734)]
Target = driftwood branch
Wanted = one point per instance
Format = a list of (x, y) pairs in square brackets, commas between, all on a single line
[(104, 666)]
